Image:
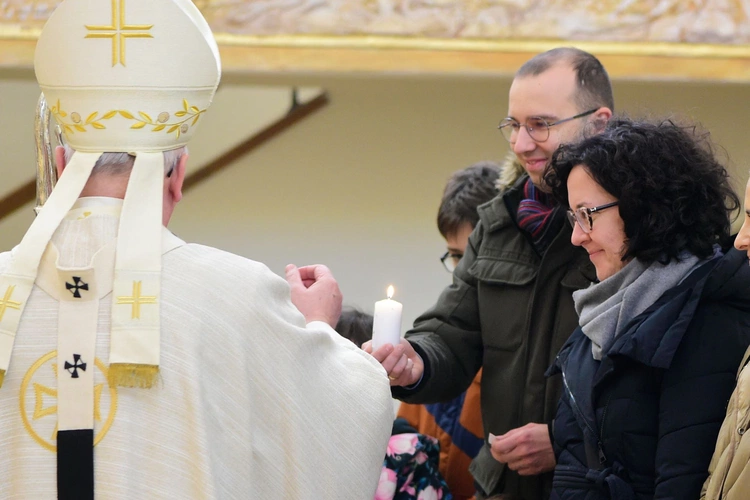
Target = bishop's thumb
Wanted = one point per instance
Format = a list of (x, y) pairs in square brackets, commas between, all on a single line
[(293, 277)]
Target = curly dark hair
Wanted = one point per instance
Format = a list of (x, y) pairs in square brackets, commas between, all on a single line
[(673, 193)]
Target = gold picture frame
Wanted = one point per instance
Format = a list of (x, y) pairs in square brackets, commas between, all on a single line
[(421, 49)]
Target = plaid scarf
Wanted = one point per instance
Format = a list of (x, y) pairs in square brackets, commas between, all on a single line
[(537, 216)]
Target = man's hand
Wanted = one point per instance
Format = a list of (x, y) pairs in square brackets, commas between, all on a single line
[(402, 363), (527, 450), (315, 293)]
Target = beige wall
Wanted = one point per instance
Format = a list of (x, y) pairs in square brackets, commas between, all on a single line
[(357, 185)]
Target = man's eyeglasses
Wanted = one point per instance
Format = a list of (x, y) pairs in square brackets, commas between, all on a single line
[(450, 260), (538, 128), (583, 216)]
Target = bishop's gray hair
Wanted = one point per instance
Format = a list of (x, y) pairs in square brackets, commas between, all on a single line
[(116, 164)]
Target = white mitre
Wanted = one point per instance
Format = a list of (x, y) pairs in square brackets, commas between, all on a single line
[(129, 76)]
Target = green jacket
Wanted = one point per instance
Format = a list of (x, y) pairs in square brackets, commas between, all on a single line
[(510, 310)]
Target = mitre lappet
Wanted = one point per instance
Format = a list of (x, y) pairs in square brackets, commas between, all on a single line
[(129, 76)]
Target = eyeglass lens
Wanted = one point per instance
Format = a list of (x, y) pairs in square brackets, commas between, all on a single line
[(450, 261), (581, 217), (537, 128)]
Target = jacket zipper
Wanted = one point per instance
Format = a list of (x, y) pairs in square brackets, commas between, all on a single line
[(602, 457), (600, 447)]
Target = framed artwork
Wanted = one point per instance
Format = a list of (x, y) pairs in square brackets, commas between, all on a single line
[(637, 39)]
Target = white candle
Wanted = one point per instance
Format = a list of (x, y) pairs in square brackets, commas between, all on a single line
[(386, 324)]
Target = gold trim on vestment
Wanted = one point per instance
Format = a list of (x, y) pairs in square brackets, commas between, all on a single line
[(136, 300), (40, 411), (6, 303), (133, 375)]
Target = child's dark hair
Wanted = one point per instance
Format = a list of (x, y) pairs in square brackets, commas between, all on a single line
[(355, 325)]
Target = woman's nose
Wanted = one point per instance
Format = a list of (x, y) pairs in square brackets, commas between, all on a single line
[(579, 236), (743, 237)]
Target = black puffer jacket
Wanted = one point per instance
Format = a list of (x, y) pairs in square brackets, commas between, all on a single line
[(643, 422)]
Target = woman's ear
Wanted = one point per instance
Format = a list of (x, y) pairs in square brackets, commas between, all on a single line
[(59, 160)]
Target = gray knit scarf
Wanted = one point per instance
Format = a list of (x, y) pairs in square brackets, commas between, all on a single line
[(606, 307)]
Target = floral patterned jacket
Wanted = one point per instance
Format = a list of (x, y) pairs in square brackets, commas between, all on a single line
[(410, 469)]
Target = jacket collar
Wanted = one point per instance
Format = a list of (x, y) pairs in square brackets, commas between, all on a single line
[(652, 338), (510, 171), (496, 214), (500, 211)]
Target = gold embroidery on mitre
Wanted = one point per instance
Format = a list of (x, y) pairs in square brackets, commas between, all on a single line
[(178, 127), (119, 31), (38, 419), (6, 303), (93, 119), (136, 300), (133, 375)]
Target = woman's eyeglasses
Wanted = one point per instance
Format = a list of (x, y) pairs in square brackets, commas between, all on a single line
[(583, 216)]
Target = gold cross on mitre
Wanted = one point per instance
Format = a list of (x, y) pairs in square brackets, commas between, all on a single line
[(136, 300), (6, 302), (119, 31)]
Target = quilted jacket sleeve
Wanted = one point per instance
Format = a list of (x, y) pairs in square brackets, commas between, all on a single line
[(731, 456), (448, 336), (694, 395)]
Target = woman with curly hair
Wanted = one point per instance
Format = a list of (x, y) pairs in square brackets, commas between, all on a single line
[(647, 375)]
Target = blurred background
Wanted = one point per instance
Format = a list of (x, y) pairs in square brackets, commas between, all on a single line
[(389, 99)]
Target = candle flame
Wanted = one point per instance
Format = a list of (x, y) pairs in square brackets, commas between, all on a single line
[(390, 291)]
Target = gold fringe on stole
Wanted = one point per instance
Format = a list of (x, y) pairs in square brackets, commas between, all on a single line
[(2, 377), (132, 375)]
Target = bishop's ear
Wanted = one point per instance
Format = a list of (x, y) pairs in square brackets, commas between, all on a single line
[(177, 178), (59, 160)]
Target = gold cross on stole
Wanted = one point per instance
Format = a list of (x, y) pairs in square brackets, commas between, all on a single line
[(136, 300), (6, 302), (119, 31)]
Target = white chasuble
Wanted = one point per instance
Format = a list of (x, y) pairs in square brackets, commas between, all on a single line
[(249, 402)]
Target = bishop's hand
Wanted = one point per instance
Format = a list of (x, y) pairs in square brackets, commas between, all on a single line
[(315, 293)]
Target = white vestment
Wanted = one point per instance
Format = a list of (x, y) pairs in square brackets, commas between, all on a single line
[(251, 403)]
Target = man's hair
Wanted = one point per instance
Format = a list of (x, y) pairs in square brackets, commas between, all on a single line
[(673, 193), (464, 192), (355, 325), (594, 89), (122, 163)]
